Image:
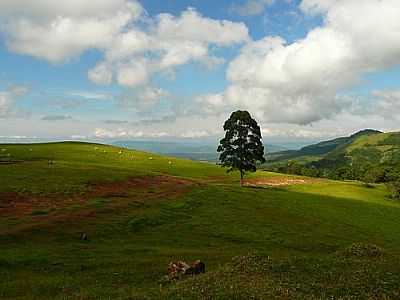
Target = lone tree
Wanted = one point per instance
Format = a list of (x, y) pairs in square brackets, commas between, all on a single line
[(242, 147)]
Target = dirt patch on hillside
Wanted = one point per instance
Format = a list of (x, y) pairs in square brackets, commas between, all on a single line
[(278, 181), (137, 189), (162, 185)]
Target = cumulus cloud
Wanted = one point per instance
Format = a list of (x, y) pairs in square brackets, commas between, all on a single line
[(8, 98), (57, 31), (101, 74), (135, 46), (47, 9), (167, 42), (269, 106), (250, 7), (300, 82)]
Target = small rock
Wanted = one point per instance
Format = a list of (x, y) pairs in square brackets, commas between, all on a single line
[(177, 269), (181, 268), (198, 267)]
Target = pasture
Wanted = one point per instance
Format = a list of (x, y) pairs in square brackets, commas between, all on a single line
[(298, 238)]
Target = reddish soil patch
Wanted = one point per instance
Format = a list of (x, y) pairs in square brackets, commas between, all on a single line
[(278, 181), (138, 189), (166, 186)]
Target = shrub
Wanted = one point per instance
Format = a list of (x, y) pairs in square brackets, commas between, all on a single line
[(375, 174), (364, 250), (394, 188)]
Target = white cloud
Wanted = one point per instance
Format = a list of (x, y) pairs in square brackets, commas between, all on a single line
[(268, 106), (135, 46), (167, 42), (47, 9), (251, 7), (299, 82), (57, 31), (101, 74), (7, 99), (133, 73), (191, 26)]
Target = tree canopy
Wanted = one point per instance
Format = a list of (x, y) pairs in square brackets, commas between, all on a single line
[(242, 146)]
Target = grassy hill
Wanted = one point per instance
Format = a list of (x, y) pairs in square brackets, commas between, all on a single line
[(281, 237), (352, 157), (321, 149)]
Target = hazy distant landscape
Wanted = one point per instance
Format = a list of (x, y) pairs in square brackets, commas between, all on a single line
[(191, 150)]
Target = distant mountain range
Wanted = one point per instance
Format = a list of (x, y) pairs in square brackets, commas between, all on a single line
[(321, 149), (190, 150), (353, 157)]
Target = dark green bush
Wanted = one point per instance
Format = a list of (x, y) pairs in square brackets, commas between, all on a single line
[(394, 188)]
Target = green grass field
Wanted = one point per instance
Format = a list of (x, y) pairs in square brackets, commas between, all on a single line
[(140, 211)]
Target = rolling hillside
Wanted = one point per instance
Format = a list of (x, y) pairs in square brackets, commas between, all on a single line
[(280, 237), (350, 157), (321, 149)]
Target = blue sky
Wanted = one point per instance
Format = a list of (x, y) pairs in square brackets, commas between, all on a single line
[(152, 69)]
